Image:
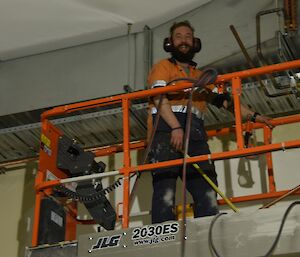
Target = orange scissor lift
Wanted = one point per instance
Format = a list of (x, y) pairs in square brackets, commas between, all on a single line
[(51, 134)]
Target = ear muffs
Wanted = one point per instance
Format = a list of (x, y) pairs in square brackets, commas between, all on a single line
[(168, 46), (197, 45)]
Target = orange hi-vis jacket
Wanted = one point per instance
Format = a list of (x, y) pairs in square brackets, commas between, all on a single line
[(168, 70)]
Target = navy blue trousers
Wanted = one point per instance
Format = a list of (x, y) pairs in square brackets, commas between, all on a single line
[(164, 180)]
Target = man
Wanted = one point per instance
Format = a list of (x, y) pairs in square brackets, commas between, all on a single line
[(168, 139)]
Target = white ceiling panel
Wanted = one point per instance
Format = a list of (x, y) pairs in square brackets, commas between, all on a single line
[(34, 26)]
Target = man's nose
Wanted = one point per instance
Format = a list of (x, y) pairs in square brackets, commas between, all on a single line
[(183, 40)]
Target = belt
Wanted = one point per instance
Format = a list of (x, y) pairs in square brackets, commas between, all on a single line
[(182, 109)]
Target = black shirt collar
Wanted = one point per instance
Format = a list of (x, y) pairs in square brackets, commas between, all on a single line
[(191, 63)]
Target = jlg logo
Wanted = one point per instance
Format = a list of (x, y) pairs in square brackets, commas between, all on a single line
[(107, 242)]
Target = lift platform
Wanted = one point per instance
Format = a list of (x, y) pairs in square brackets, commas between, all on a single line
[(245, 234), (164, 239)]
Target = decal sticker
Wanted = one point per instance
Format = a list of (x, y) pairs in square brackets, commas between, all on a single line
[(46, 149), (154, 234), (106, 242), (45, 140), (46, 144), (57, 218), (50, 175)]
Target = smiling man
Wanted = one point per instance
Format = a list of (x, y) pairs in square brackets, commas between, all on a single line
[(168, 138)]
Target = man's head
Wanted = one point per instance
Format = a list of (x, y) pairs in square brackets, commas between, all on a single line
[(182, 39)]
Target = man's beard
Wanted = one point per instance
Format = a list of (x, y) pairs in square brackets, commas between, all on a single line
[(183, 57)]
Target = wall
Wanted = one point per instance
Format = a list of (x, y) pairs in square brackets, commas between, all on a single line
[(17, 200), (102, 68), (64, 76), (17, 194)]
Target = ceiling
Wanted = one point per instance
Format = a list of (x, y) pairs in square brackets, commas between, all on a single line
[(35, 26)]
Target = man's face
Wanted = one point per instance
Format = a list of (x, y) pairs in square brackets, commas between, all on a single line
[(182, 38)]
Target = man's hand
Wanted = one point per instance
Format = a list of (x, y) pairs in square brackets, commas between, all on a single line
[(255, 116), (177, 138)]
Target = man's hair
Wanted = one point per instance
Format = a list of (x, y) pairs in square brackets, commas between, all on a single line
[(176, 25)]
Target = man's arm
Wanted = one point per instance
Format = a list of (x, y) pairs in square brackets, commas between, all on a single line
[(246, 113), (160, 72), (255, 116), (169, 117)]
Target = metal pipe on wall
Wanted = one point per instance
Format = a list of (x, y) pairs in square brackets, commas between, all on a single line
[(260, 55), (251, 64), (148, 56)]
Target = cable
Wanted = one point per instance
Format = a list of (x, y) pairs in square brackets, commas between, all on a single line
[(281, 227), (210, 241), (181, 79), (185, 153), (273, 246), (208, 76), (89, 197)]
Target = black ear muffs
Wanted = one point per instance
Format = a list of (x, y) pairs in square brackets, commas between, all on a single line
[(168, 46), (197, 44)]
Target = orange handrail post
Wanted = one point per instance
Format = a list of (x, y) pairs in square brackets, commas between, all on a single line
[(236, 92), (267, 141), (37, 207), (127, 162)]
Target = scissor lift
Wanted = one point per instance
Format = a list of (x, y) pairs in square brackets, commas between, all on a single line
[(49, 175)]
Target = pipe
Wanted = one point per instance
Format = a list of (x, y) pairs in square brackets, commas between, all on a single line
[(260, 55), (251, 64), (295, 189), (147, 53), (258, 34), (90, 177), (20, 161), (290, 7)]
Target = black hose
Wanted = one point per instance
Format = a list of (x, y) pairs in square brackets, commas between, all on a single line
[(280, 228), (210, 240), (208, 76), (273, 246)]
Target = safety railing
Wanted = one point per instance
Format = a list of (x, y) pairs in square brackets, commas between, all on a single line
[(51, 134)]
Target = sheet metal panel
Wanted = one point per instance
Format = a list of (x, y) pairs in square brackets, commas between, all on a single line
[(235, 235)]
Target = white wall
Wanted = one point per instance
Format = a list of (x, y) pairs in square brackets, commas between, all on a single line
[(64, 76), (17, 193), (17, 203), (102, 68), (211, 23)]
